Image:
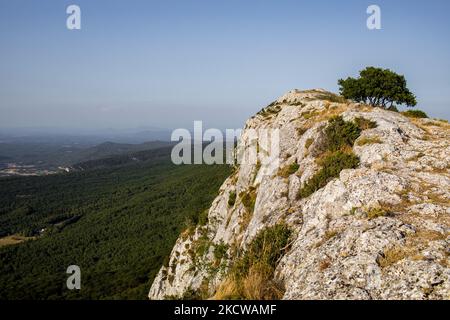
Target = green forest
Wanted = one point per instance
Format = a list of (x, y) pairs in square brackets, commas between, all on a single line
[(116, 222)]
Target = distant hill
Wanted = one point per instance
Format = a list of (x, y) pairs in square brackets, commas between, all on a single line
[(124, 158), (108, 149), (51, 156)]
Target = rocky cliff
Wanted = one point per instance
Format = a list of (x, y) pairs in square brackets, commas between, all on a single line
[(363, 191)]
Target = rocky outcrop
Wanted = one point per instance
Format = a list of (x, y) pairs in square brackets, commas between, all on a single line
[(376, 231)]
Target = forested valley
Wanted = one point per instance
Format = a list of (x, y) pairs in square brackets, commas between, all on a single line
[(116, 220)]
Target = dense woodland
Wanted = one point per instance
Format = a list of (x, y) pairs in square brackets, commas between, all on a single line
[(118, 223)]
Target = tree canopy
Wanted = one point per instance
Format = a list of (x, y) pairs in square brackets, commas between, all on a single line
[(378, 88), (116, 222)]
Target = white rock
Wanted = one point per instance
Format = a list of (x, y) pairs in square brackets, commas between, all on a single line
[(338, 252)]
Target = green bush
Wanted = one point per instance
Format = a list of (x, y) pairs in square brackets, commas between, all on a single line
[(200, 247), (289, 170), (249, 199), (340, 133), (332, 165), (293, 168), (232, 198), (415, 114), (339, 136), (271, 109), (264, 251), (203, 217), (220, 251)]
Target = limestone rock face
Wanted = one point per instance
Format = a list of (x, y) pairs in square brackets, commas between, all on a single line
[(339, 250)]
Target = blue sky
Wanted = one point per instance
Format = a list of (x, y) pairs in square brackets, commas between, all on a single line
[(167, 63)]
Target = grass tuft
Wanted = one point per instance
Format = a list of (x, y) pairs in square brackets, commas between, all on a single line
[(248, 199), (289, 170), (365, 124), (368, 140), (251, 275), (377, 212)]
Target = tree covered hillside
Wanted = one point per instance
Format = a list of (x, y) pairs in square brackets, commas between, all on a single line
[(117, 223)]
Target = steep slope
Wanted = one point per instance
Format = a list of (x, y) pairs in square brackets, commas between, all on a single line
[(369, 218)]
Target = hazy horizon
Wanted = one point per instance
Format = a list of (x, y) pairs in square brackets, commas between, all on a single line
[(166, 64)]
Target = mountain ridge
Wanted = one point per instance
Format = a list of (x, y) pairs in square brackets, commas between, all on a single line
[(374, 225)]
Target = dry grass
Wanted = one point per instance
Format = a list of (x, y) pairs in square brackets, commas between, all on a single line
[(429, 134), (445, 262), (414, 244), (331, 97), (291, 210), (324, 264), (368, 140), (251, 275), (428, 235), (440, 170), (416, 157), (330, 113), (329, 234), (365, 108), (308, 143), (227, 290), (248, 198), (288, 170), (235, 175), (365, 124), (392, 255), (245, 219), (324, 115), (433, 123), (254, 286), (391, 209), (436, 199), (377, 212), (301, 130)]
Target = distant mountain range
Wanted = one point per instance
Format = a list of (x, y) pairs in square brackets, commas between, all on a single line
[(51, 156), (112, 154), (83, 137)]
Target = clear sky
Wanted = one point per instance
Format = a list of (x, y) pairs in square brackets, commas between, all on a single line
[(167, 63)]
